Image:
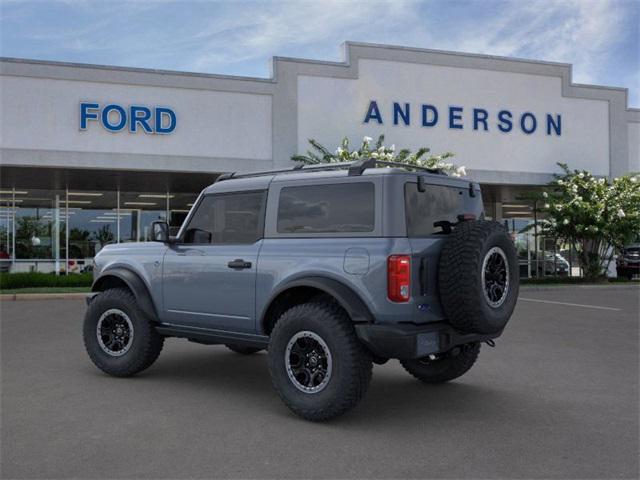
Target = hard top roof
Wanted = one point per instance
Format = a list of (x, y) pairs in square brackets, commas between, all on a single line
[(368, 167)]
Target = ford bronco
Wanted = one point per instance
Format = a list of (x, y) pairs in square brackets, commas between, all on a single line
[(330, 268)]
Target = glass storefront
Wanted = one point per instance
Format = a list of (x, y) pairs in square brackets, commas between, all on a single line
[(62, 230)]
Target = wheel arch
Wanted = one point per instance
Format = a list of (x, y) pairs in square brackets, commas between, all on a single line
[(301, 290), (121, 277)]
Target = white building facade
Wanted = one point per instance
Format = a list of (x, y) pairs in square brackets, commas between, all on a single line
[(93, 154)]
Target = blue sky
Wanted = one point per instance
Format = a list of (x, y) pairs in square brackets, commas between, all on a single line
[(601, 38)]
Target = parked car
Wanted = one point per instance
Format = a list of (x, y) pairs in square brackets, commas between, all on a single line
[(5, 261), (330, 268), (628, 262)]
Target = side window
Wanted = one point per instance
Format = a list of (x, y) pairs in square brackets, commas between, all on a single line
[(424, 209), (337, 208), (227, 219)]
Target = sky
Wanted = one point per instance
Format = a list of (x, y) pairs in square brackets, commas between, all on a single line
[(601, 38)]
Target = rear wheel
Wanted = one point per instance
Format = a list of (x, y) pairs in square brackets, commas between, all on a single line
[(118, 337), (242, 349), (318, 367), (440, 369)]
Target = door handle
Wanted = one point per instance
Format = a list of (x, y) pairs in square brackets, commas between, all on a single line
[(238, 264)]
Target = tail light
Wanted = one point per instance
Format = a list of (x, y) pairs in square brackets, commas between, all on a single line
[(398, 278)]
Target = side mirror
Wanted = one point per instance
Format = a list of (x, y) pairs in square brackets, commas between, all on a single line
[(160, 231)]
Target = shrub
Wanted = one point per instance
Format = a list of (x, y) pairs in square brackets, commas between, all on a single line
[(35, 279), (595, 215), (344, 153)]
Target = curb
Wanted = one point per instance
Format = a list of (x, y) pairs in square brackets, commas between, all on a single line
[(560, 286), (42, 296)]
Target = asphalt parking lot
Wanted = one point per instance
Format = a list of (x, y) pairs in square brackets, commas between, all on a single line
[(557, 398)]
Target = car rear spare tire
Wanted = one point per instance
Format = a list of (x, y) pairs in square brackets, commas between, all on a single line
[(478, 277)]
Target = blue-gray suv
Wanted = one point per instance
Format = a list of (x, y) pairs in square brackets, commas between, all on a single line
[(330, 268)]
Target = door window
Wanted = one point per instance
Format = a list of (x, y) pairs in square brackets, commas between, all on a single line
[(235, 218)]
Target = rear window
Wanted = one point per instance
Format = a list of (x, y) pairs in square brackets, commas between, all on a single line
[(337, 208), (423, 209)]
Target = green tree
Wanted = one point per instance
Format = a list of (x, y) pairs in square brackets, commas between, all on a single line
[(320, 154), (28, 227), (104, 235), (595, 215)]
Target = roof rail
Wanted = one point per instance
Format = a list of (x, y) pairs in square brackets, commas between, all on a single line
[(354, 168)]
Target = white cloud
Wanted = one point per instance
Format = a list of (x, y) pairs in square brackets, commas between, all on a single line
[(240, 37)]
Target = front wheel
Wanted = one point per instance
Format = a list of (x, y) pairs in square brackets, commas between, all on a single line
[(445, 367), (318, 367), (118, 337)]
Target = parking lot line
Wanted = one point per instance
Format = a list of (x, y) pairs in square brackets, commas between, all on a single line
[(569, 304)]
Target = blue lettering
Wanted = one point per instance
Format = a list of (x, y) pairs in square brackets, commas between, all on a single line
[(85, 114), (523, 123), (373, 112), (557, 125), (504, 117), (139, 115), (162, 112), (480, 115), (425, 116), (399, 112), (455, 113), (105, 118)]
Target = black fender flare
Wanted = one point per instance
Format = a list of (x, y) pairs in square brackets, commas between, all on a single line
[(344, 295), (135, 284)]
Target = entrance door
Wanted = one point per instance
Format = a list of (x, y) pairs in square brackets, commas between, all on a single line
[(209, 276)]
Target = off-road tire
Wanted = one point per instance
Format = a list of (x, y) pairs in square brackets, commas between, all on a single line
[(351, 362), (242, 349), (145, 345), (460, 277), (444, 369)]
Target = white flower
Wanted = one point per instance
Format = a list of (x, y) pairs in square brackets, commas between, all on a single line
[(565, 221), (355, 155), (560, 182), (339, 151), (367, 139), (546, 205), (634, 179), (461, 171), (621, 213), (374, 155), (581, 175), (545, 194), (579, 198)]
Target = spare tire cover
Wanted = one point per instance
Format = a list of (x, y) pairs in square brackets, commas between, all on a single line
[(478, 277)]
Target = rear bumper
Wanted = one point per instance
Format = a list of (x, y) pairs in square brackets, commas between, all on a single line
[(407, 341)]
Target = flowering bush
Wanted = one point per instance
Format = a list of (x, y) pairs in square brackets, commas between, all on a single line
[(379, 151), (594, 214)]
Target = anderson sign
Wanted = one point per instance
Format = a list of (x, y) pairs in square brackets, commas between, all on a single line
[(460, 118)]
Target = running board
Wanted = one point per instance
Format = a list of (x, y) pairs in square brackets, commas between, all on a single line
[(212, 337)]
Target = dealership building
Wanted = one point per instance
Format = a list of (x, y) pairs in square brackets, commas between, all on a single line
[(93, 154)]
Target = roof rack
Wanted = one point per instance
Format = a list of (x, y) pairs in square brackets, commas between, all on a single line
[(354, 168)]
